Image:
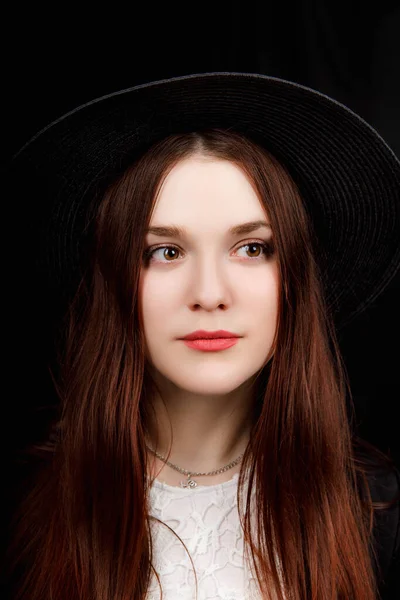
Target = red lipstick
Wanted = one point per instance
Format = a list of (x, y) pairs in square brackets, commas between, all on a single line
[(201, 334), (210, 341)]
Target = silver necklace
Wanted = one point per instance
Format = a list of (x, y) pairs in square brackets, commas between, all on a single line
[(190, 483)]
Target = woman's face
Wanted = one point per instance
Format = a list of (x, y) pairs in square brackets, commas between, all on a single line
[(210, 279)]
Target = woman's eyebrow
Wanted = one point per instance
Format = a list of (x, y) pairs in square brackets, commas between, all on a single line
[(181, 232)]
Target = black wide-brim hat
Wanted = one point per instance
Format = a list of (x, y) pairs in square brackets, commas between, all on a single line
[(348, 176)]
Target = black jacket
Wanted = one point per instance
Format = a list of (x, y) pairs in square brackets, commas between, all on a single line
[(384, 485)]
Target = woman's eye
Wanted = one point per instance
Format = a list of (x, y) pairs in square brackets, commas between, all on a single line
[(254, 251)]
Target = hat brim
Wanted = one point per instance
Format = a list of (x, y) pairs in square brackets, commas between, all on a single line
[(348, 176)]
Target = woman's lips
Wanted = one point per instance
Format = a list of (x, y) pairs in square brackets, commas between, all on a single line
[(211, 345)]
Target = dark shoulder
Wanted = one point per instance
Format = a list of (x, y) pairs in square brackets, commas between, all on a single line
[(383, 477)]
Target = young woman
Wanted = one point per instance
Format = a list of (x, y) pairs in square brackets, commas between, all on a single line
[(257, 217)]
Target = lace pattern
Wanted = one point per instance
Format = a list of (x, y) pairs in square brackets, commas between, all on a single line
[(207, 520)]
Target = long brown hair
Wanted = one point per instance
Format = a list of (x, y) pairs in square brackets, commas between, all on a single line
[(82, 529)]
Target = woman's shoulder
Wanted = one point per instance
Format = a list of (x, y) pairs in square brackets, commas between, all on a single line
[(383, 477)]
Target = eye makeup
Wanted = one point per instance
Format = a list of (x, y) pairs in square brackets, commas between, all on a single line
[(267, 247)]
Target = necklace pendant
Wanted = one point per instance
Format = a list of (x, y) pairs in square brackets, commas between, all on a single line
[(190, 483)]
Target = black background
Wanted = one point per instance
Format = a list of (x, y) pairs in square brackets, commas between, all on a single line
[(57, 58)]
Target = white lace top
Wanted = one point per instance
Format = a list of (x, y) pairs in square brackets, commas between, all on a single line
[(207, 520)]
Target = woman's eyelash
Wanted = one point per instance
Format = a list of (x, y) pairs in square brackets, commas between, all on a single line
[(267, 247)]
